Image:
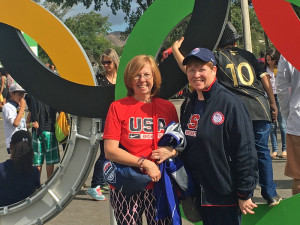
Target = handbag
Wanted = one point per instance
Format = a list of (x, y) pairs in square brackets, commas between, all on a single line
[(129, 180), (191, 207), (62, 127)]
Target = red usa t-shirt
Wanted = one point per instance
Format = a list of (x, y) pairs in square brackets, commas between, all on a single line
[(131, 123)]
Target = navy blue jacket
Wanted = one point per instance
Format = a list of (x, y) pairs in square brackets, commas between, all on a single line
[(222, 158)]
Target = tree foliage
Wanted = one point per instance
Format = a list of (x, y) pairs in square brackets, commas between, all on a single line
[(257, 32), (58, 10), (132, 9), (90, 29)]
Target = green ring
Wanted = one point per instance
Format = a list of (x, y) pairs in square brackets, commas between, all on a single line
[(146, 38), (150, 32)]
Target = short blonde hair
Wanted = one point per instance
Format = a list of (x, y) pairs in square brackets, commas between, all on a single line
[(195, 60), (113, 55), (135, 66)]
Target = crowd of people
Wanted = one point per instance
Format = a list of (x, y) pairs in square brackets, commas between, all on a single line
[(228, 118), (28, 148)]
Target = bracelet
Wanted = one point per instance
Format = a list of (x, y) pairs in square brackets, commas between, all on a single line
[(30, 125), (140, 161), (176, 154)]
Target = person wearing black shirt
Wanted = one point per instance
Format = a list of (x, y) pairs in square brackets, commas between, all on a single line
[(110, 63)]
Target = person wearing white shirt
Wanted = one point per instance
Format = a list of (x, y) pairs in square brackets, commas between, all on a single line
[(271, 59), (13, 113), (288, 90)]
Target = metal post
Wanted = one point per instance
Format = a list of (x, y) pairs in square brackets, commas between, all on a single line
[(246, 25)]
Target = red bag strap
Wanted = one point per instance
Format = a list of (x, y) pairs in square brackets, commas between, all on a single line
[(155, 125)]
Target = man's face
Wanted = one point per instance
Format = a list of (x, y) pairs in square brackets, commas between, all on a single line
[(17, 96), (200, 75)]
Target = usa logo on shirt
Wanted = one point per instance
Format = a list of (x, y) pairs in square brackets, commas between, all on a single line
[(218, 118)]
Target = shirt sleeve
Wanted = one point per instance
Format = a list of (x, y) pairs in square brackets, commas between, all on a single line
[(243, 158), (174, 115), (258, 68), (283, 84), (8, 114), (112, 129)]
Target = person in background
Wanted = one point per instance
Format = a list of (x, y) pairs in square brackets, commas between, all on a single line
[(45, 145), (129, 123), (18, 178), (3, 88), (288, 90), (110, 63), (240, 72), (8, 80), (95, 68), (262, 59), (52, 67), (13, 114), (271, 58)]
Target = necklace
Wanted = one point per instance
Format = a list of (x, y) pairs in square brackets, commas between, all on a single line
[(111, 78), (149, 100)]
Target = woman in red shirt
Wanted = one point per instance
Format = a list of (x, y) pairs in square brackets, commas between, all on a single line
[(129, 124)]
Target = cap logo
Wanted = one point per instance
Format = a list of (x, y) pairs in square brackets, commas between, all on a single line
[(218, 118), (195, 51)]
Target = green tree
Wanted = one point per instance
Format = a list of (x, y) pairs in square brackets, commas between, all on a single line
[(59, 11), (257, 33), (132, 9), (90, 29)]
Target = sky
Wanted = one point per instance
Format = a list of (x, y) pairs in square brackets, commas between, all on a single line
[(117, 21)]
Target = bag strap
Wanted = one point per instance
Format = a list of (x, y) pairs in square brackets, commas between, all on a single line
[(155, 125)]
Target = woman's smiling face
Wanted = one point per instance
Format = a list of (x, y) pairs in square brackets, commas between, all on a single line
[(200, 75), (143, 82)]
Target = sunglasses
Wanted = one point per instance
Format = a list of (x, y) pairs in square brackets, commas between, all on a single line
[(106, 62)]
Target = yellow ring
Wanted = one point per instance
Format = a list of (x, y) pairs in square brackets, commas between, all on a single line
[(52, 35)]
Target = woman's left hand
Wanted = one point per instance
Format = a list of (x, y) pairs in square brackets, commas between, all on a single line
[(162, 153)]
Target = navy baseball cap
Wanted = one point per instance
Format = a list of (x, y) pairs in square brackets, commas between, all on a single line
[(201, 53)]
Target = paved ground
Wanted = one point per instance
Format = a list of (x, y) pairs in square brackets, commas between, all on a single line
[(83, 210)]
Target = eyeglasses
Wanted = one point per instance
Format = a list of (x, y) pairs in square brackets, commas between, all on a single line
[(106, 62), (139, 76)]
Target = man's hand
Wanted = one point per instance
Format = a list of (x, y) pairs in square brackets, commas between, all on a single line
[(246, 206), (152, 170), (35, 125), (22, 103), (177, 44), (274, 112), (177, 54), (162, 153)]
